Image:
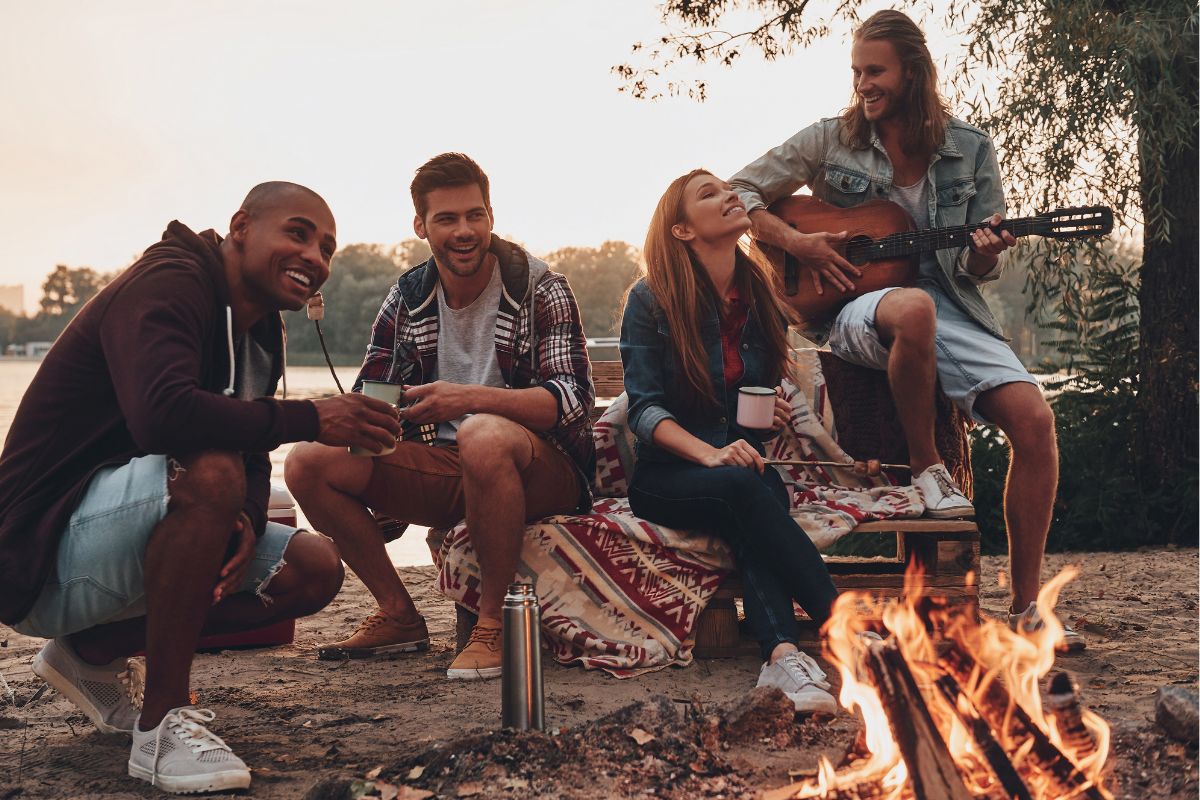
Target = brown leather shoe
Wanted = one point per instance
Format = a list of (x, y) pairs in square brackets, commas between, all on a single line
[(379, 635), (480, 659)]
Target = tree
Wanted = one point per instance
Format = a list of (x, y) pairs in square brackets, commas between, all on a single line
[(1097, 101), (65, 290), (359, 279), (599, 277)]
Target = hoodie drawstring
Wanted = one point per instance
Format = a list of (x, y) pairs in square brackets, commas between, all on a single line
[(228, 391)]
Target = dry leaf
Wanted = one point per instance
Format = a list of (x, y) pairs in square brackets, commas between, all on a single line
[(468, 789), (373, 774), (640, 736), (386, 790), (516, 783), (412, 793), (307, 724), (415, 773)]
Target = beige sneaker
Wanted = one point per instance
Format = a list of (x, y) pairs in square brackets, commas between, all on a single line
[(1030, 621), (480, 659), (943, 499), (379, 635)]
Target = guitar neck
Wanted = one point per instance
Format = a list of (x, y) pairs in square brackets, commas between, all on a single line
[(908, 243)]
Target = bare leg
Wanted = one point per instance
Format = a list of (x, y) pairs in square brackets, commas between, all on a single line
[(328, 482), (906, 320), (309, 579), (1028, 422), (494, 452)]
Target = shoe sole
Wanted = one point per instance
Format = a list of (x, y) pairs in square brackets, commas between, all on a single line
[(343, 653), (193, 784), (822, 706), (951, 513), (64, 686), (473, 674)]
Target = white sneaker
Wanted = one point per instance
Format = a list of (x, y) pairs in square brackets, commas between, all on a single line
[(943, 499), (110, 695), (1030, 621), (182, 756), (799, 677)]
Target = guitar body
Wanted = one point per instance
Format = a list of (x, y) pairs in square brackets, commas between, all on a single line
[(870, 221)]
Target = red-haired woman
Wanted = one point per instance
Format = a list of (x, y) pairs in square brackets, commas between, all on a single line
[(703, 323)]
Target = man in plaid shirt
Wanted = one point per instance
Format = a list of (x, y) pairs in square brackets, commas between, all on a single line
[(489, 348)]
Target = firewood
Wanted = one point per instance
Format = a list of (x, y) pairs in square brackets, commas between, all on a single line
[(993, 753), (932, 772), (1006, 715), (1063, 700)]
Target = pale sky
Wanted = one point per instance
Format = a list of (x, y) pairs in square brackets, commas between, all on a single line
[(118, 116)]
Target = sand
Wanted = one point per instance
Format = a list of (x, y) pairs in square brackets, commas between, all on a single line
[(296, 720)]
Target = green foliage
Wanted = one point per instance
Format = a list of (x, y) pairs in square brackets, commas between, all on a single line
[(359, 279), (599, 277)]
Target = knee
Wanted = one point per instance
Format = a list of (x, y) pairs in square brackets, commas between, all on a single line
[(304, 467), (215, 479), (909, 315), (317, 571), (487, 441), (1033, 427)]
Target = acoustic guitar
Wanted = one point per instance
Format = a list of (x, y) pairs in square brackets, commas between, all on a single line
[(884, 243)]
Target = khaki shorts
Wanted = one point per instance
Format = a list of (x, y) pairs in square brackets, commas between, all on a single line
[(423, 485)]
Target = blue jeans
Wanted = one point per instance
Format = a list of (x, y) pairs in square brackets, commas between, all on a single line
[(777, 561)]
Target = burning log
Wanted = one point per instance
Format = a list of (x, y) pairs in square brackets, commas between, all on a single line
[(931, 769), (1005, 715), (992, 752), (1068, 716)]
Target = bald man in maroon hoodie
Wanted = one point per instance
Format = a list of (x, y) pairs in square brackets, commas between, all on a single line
[(134, 481)]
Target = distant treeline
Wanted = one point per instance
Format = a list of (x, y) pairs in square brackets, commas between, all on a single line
[(362, 274)]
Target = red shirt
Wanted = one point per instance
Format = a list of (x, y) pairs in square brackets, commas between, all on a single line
[(732, 322)]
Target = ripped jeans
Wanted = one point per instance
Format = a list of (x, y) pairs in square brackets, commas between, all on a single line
[(97, 575)]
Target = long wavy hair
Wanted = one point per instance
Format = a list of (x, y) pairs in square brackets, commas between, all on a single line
[(925, 110), (684, 292)]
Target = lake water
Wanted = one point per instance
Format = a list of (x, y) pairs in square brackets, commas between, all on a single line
[(303, 383)]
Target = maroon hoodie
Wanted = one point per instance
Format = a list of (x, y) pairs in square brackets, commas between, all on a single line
[(140, 370)]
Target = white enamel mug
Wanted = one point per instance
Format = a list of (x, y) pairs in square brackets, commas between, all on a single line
[(756, 407), (388, 393)]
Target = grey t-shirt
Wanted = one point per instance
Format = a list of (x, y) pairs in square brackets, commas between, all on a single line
[(915, 200), (253, 372), (467, 345)]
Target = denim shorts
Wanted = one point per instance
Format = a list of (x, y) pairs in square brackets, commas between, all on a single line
[(97, 576), (970, 361)]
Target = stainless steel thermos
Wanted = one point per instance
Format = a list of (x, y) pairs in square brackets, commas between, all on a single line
[(521, 699)]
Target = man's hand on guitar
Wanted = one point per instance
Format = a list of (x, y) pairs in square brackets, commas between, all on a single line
[(990, 242), (817, 251), (987, 244)]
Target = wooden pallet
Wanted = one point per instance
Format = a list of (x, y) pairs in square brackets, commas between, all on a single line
[(946, 551)]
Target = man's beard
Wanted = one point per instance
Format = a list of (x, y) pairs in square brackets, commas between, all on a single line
[(445, 260)]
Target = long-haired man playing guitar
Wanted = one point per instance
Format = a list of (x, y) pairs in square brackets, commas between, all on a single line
[(898, 142)]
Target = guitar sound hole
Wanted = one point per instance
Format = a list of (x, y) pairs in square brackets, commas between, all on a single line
[(858, 250)]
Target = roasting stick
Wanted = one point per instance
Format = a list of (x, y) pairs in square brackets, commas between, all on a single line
[(870, 467)]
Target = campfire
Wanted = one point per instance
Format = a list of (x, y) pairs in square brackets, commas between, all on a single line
[(952, 707)]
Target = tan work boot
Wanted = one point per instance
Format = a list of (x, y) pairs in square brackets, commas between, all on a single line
[(480, 659), (379, 635)]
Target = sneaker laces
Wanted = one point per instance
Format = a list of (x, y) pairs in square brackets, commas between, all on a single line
[(133, 679), (189, 726), (943, 481), (371, 622), (486, 636), (804, 669)]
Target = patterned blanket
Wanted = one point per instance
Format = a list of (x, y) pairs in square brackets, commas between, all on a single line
[(622, 594)]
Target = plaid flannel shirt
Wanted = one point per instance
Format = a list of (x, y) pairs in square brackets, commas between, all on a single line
[(539, 342)]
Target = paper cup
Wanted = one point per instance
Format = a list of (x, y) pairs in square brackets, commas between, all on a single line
[(756, 407), (388, 393)]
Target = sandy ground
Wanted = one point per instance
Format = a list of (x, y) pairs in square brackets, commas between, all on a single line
[(296, 720)]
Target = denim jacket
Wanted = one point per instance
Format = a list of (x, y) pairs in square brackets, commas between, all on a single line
[(652, 372), (964, 174)]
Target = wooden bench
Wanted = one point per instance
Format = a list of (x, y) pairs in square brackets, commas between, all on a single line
[(947, 552)]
